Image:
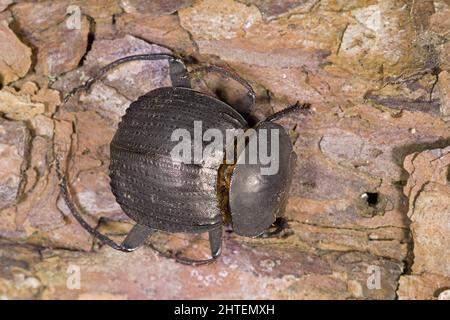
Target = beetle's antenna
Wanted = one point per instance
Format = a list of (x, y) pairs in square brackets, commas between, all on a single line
[(297, 107)]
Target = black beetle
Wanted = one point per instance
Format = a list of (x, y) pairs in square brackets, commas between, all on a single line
[(159, 193)]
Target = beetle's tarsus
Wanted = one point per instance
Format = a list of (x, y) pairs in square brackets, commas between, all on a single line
[(192, 262), (215, 240), (297, 107), (180, 259)]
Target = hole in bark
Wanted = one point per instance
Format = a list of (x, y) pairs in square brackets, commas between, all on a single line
[(370, 204), (372, 198)]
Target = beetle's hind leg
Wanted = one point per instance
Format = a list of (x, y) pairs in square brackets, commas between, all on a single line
[(178, 72), (246, 105), (135, 238)]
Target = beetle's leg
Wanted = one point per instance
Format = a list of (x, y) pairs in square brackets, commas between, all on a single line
[(275, 229), (179, 74), (176, 70), (251, 95), (192, 262), (137, 236), (297, 107), (180, 259), (215, 241), (132, 240), (67, 196)]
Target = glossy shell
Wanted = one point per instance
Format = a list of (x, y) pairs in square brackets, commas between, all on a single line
[(152, 188), (257, 199)]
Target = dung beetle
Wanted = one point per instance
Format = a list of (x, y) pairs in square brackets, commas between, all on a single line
[(159, 192)]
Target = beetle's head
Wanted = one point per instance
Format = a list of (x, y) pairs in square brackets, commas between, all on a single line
[(261, 179)]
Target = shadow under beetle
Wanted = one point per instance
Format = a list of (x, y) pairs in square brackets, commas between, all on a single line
[(159, 193)]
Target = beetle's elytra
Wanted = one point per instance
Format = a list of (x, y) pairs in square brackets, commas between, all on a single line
[(161, 193)]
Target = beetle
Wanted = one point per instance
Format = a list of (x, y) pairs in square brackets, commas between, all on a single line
[(159, 192)]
